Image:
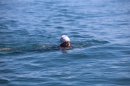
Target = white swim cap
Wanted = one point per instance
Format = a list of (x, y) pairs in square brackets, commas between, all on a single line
[(64, 38)]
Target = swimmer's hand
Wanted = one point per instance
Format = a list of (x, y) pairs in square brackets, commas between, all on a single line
[(5, 49)]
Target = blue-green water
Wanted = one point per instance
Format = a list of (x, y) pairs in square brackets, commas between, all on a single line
[(100, 29)]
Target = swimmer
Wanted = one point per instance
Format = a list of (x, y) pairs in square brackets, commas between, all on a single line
[(65, 42)]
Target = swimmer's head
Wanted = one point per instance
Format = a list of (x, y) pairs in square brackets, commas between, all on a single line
[(65, 41), (64, 38)]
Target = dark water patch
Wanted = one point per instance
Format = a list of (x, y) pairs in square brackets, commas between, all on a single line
[(57, 22), (21, 32), (6, 71), (76, 34), (3, 32), (64, 10), (83, 26), (2, 62), (11, 23), (64, 16), (69, 20), (3, 27), (127, 12), (78, 56), (48, 25), (126, 52), (45, 21), (4, 81), (59, 27), (120, 81), (98, 41)]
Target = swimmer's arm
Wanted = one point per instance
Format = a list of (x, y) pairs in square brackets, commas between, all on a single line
[(5, 49)]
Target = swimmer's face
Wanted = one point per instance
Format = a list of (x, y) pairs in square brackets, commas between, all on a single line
[(65, 44)]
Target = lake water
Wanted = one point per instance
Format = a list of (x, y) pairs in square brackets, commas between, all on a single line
[(99, 29)]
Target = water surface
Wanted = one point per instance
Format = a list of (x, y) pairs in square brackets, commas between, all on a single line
[(99, 29)]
